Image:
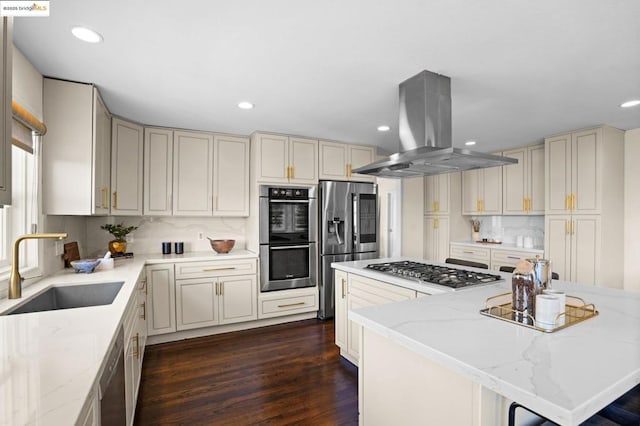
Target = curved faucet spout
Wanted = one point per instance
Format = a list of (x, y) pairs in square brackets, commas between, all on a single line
[(15, 280)]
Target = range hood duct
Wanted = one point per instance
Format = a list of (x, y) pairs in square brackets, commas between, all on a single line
[(425, 134)]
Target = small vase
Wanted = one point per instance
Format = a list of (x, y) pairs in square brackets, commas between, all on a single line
[(475, 236), (116, 246)]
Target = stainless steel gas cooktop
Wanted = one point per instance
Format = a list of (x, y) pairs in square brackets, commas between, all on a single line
[(435, 274)]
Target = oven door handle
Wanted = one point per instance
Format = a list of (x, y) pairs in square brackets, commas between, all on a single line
[(288, 247), (290, 201)]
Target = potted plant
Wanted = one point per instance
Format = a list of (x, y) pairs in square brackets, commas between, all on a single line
[(119, 232)]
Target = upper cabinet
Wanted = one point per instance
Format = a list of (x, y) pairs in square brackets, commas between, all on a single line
[(337, 161), (482, 191), (76, 150), (126, 168), (158, 172), (230, 176), (285, 159), (436, 194), (523, 183)]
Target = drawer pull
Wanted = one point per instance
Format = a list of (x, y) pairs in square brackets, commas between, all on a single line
[(218, 269), (291, 304), (513, 257), (143, 305), (136, 350), (468, 252), (343, 294)]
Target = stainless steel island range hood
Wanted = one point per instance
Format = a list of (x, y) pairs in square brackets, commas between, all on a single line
[(425, 134)]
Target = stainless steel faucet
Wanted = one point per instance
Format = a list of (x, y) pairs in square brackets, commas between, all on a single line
[(15, 280)]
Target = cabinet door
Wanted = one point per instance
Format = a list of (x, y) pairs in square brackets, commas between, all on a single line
[(6, 62), (442, 248), (196, 303), (126, 168), (230, 176), (514, 185), (192, 174), (491, 190), (333, 160), (273, 158), (238, 298), (557, 160), (303, 160), (585, 171), (161, 302), (360, 156), (101, 155), (470, 195), (443, 184), (430, 194), (535, 174), (341, 318), (557, 245), (585, 249), (158, 172), (430, 238)]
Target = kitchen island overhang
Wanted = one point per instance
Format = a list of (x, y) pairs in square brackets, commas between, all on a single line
[(566, 376)]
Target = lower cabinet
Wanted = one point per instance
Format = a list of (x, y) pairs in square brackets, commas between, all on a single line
[(287, 302), (203, 302), (90, 414), (135, 337), (494, 257), (354, 292), (436, 238), (161, 299)]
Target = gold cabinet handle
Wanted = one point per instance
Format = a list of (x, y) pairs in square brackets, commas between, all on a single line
[(481, 205), (528, 204), (143, 305), (291, 304), (222, 288), (524, 204), (566, 227), (436, 223), (105, 196), (566, 202), (573, 201), (293, 172), (136, 350), (219, 269), (115, 199), (477, 205), (343, 285), (216, 289), (347, 170)]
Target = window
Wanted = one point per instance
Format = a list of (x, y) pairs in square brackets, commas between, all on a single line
[(21, 217)]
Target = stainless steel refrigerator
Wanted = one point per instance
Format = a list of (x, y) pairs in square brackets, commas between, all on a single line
[(348, 231)]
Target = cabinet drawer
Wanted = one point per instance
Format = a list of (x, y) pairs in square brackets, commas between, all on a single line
[(475, 254), (217, 268), (274, 305), (377, 292), (507, 257)]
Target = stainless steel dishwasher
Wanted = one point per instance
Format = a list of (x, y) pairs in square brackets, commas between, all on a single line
[(112, 388)]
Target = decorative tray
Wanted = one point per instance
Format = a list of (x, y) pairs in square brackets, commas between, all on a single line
[(576, 311)]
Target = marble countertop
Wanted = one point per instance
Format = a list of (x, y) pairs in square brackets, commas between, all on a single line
[(49, 361), (503, 246), (566, 376)]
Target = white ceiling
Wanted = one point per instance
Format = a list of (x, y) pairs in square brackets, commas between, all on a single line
[(520, 69)]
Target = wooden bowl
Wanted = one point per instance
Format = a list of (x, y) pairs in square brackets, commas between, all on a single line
[(222, 246)]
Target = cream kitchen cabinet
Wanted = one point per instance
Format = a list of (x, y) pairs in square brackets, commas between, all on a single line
[(493, 256), (192, 174), (161, 299), (230, 175), (285, 159), (436, 198), (473, 254), (158, 172), (358, 292), (6, 65), (76, 149), (482, 191), (509, 257), (135, 336), (287, 302), (337, 161), (523, 183), (215, 292), (584, 233), (436, 238), (574, 247), (126, 168)]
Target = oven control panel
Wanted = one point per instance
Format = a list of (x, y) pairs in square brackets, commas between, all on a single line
[(288, 193)]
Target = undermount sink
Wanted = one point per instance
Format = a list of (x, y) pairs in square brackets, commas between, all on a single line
[(71, 296)]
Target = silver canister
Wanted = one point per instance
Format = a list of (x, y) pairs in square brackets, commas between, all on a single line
[(541, 273)]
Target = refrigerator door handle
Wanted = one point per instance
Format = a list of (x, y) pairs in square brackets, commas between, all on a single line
[(336, 229), (354, 219)]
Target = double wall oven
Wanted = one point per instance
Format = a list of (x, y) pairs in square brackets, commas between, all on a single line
[(288, 254)]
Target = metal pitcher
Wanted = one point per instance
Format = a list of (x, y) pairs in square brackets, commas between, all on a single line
[(542, 273)]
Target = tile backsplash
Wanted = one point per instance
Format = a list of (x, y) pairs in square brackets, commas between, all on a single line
[(507, 228), (153, 231)]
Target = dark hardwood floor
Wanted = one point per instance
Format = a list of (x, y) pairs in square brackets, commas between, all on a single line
[(284, 374)]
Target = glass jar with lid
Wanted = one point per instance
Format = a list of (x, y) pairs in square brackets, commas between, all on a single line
[(524, 290)]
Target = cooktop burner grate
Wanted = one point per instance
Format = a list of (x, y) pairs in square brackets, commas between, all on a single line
[(435, 274)]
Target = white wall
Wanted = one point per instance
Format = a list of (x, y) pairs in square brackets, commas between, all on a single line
[(632, 210), (390, 208)]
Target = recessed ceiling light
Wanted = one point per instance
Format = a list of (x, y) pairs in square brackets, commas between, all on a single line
[(631, 103), (469, 143), (245, 105), (86, 34), (384, 128)]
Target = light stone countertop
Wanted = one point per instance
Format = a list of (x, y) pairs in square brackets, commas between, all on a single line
[(566, 376), (49, 361)]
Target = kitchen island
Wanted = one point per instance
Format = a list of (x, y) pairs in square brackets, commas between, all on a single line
[(434, 359)]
